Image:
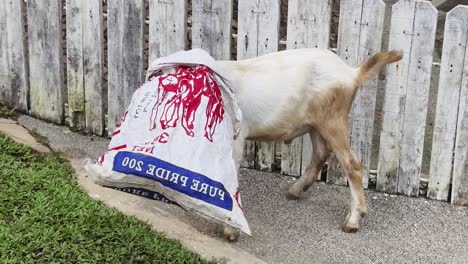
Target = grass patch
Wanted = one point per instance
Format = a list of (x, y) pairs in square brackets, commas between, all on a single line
[(46, 218)]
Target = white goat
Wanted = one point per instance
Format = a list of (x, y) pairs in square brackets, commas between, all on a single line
[(286, 94)]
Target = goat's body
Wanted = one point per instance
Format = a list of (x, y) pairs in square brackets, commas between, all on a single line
[(286, 94), (275, 90)]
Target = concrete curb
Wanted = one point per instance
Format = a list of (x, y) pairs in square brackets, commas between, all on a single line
[(21, 135)]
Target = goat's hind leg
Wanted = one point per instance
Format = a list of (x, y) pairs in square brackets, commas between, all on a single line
[(320, 154), (337, 138)]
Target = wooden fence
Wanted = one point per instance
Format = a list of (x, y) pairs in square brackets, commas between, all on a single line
[(86, 79)]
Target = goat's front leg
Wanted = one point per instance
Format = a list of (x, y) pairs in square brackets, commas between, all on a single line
[(320, 154), (338, 140), (231, 233)]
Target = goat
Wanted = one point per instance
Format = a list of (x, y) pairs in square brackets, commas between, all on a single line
[(286, 94)]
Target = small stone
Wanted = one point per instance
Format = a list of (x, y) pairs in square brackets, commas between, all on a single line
[(375, 197)]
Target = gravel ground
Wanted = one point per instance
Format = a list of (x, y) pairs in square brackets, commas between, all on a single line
[(398, 229)]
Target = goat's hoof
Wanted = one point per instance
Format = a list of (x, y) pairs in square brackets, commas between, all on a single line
[(292, 196), (231, 234), (349, 228)]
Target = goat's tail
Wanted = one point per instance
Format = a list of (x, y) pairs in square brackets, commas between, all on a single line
[(375, 64)]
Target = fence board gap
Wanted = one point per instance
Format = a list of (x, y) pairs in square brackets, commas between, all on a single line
[(258, 34), (308, 27), (125, 55), (448, 98)]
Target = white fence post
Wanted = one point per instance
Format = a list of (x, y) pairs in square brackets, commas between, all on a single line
[(211, 27), (84, 65), (308, 26), (460, 166), (258, 32), (5, 92), (75, 85), (45, 59), (13, 72), (359, 38), (448, 100), (125, 55), (167, 27), (406, 97)]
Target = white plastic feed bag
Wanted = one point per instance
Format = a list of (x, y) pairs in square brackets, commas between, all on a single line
[(176, 139)]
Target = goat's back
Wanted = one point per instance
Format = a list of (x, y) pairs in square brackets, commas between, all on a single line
[(274, 89)]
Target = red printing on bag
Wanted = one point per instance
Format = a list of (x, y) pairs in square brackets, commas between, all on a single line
[(186, 88), (101, 159)]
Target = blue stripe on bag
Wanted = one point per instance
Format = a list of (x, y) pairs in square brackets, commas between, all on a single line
[(179, 179)]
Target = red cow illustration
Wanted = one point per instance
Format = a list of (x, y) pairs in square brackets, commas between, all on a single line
[(187, 86)]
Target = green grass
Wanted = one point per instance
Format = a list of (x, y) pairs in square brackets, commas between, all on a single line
[(46, 218)]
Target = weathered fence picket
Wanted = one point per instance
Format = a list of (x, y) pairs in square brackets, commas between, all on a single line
[(460, 166), (45, 59), (452, 69), (359, 38), (13, 70), (363, 112), (406, 97), (308, 26), (211, 27), (258, 31), (167, 27), (75, 74), (125, 55), (85, 65), (5, 94)]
